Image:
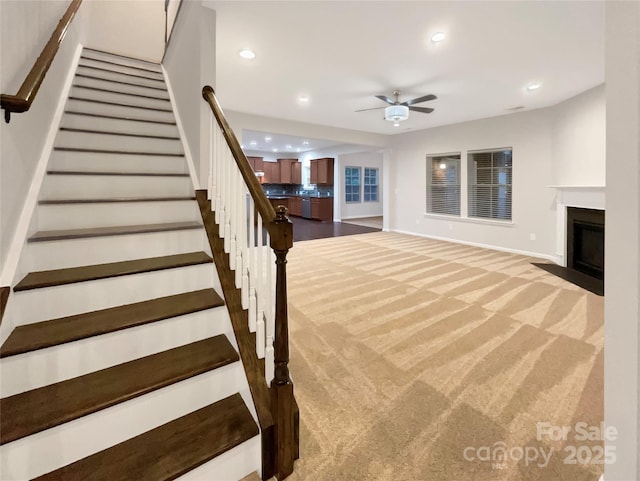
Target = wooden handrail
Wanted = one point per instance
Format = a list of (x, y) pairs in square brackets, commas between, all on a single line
[(281, 237), (21, 102), (263, 205)]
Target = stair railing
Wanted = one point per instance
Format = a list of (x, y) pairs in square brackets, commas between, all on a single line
[(21, 101), (256, 237)]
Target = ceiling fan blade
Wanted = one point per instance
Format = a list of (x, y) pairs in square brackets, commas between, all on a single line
[(374, 108), (384, 98), (419, 100), (424, 110)]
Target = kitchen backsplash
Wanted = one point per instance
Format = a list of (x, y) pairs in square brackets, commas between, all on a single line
[(292, 189)]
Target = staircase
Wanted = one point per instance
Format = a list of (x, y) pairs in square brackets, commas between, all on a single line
[(123, 364)]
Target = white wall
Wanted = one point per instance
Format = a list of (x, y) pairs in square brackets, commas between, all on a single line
[(26, 27), (133, 27), (622, 238), (190, 65), (579, 139), (362, 208), (241, 121), (529, 134)]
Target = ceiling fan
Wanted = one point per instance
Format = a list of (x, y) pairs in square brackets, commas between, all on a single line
[(399, 111)]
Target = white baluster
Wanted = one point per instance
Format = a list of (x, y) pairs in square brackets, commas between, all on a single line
[(260, 291), (252, 266)]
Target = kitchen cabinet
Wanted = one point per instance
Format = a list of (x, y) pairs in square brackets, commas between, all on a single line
[(285, 170), (322, 171), (256, 163), (295, 206), (296, 173), (322, 208), (271, 173)]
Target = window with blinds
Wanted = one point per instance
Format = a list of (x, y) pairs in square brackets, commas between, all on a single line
[(490, 174), (443, 184), (352, 184)]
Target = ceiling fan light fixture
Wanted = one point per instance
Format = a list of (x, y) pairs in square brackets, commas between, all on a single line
[(396, 113)]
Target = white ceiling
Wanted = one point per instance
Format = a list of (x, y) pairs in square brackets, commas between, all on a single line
[(342, 53), (284, 144)]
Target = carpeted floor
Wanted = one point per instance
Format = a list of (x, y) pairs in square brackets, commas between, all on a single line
[(413, 359)]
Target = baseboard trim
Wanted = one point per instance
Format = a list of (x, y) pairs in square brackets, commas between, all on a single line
[(537, 255), (185, 145), (24, 222)]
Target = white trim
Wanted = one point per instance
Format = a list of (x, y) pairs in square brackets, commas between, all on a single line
[(24, 221), (477, 244), (473, 220), (187, 151)]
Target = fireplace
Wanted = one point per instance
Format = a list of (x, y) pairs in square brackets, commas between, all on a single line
[(585, 241)]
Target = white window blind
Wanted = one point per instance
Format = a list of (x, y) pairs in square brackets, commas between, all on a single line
[(443, 184), (490, 190)]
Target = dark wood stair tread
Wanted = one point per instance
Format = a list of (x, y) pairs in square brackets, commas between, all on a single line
[(115, 199), (43, 408), (170, 450), (57, 277), (50, 235), (40, 335)]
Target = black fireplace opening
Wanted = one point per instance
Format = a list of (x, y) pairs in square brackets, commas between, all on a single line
[(585, 250), (585, 241)]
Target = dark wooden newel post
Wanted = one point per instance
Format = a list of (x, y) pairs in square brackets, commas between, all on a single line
[(282, 403)]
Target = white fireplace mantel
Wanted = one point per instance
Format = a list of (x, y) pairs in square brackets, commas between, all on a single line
[(584, 196)]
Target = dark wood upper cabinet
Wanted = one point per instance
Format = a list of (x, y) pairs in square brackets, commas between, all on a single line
[(296, 173), (256, 163), (322, 171), (271, 173)]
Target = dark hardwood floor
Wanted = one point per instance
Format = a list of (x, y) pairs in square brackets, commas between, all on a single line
[(305, 229)]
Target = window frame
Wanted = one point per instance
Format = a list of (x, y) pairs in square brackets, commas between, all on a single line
[(351, 192), (499, 203), (448, 189), (375, 185)]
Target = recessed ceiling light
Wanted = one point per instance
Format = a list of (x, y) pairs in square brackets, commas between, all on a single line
[(242, 146), (288, 146), (275, 150), (397, 124), (303, 98), (533, 86), (305, 142), (247, 54), (297, 150), (268, 139), (438, 37), (253, 142)]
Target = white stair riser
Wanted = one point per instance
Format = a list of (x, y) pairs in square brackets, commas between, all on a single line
[(120, 86), (58, 301), (235, 464), (47, 366), (90, 161), (77, 105), (121, 68), (82, 140), (118, 125), (154, 103), (77, 216), (42, 256), (56, 447), (108, 186), (93, 54)]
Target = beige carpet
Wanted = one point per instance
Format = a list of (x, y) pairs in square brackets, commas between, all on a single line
[(409, 353)]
